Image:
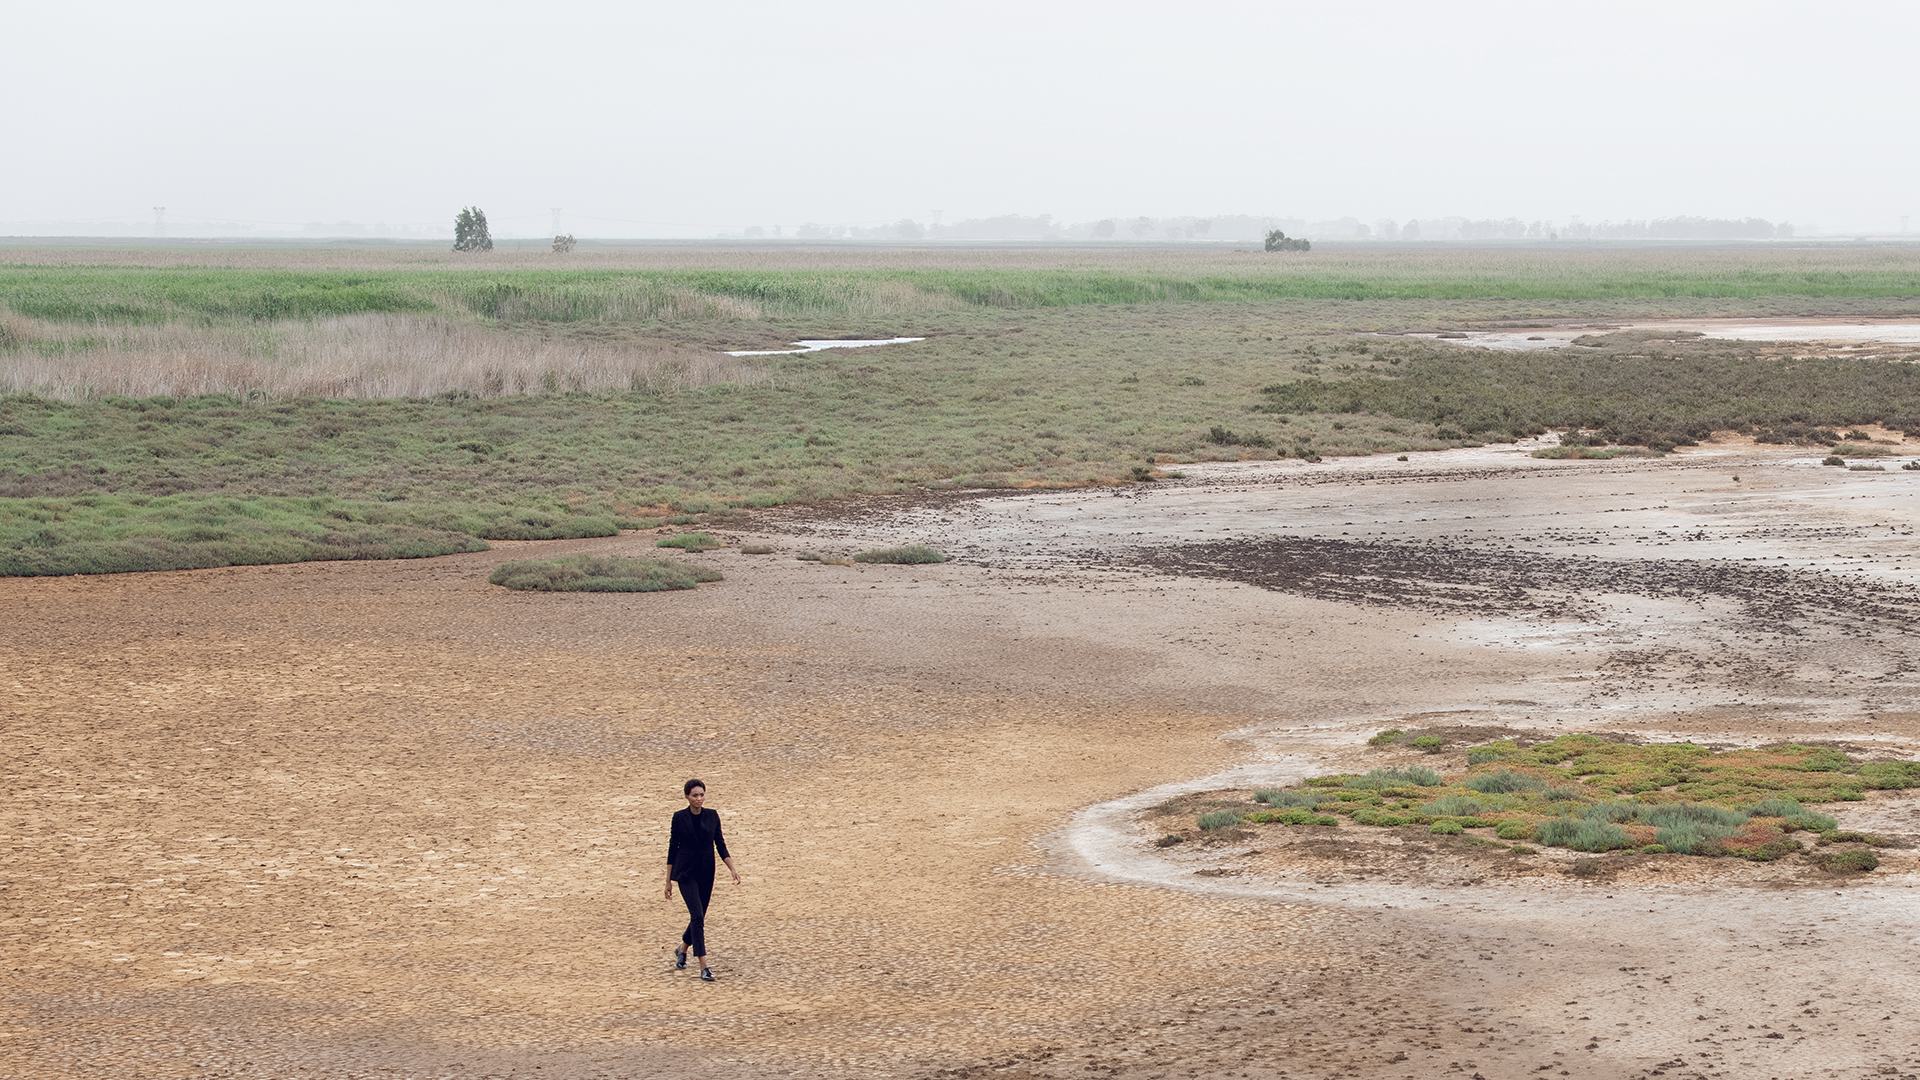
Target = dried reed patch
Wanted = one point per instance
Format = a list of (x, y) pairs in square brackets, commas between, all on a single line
[(354, 356)]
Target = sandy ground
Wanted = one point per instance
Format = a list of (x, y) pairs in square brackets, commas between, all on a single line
[(383, 819)]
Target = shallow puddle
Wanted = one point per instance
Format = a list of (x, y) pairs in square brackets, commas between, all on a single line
[(816, 346)]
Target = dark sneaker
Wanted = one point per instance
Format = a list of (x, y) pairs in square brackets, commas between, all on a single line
[(680, 958), (706, 974)]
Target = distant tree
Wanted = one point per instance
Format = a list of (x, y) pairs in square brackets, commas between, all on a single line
[(561, 244), (470, 231), (1278, 241), (1103, 230)]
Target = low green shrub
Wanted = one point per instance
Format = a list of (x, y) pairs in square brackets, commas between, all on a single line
[(1514, 830), (912, 554), (596, 573), (1386, 738), (1777, 806), (1277, 797), (693, 541), (1296, 816), (1455, 806), (756, 549), (1797, 816), (1841, 862), (1388, 778), (1654, 849), (1833, 459), (1429, 743), (1480, 755), (1821, 759), (1219, 819), (1383, 819), (1445, 827), (1688, 837), (1582, 834), (1678, 813), (1890, 775), (1836, 836), (1505, 781)]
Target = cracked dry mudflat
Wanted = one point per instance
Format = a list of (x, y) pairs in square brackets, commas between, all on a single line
[(382, 819)]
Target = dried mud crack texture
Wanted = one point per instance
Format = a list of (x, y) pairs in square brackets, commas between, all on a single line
[(376, 819)]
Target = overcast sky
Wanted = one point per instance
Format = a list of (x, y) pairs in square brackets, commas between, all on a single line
[(686, 118)]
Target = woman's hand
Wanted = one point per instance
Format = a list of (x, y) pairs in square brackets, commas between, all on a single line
[(669, 888)]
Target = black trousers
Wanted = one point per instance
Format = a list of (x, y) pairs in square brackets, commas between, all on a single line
[(698, 893)]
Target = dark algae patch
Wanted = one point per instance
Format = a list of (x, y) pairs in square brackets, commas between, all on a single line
[(1461, 579)]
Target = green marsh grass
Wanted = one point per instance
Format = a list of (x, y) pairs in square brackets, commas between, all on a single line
[(497, 396), (693, 541), (909, 555), (595, 573)]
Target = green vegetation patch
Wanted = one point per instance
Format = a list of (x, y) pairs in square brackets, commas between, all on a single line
[(693, 541), (1040, 370), (1654, 398), (111, 534), (1589, 794), (599, 573), (1842, 862), (1291, 817), (86, 293), (913, 553), (1219, 819)]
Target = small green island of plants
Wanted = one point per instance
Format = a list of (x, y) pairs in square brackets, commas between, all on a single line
[(599, 573), (1590, 794)]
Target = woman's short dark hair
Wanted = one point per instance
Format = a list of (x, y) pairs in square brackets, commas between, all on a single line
[(690, 785)]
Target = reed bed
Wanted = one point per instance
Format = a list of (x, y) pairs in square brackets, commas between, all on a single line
[(852, 286), (356, 356)]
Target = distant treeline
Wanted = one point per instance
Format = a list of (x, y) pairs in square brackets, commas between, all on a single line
[(1248, 227)]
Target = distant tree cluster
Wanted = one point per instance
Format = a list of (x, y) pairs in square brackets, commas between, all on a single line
[(470, 231), (1684, 228), (1279, 241), (563, 244), (1243, 228)]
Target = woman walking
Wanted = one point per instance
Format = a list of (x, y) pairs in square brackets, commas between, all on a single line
[(691, 841)]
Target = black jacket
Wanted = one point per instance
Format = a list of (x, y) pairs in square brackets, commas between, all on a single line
[(691, 841)]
